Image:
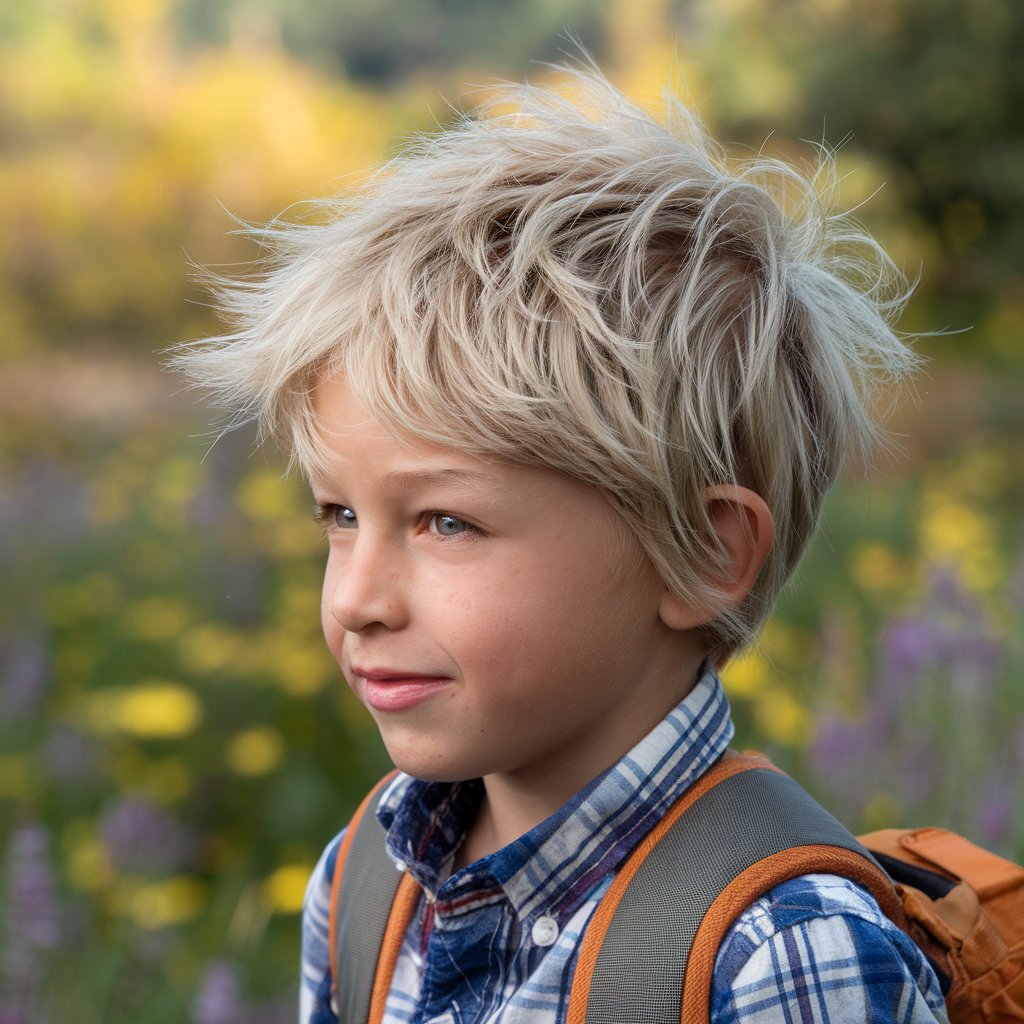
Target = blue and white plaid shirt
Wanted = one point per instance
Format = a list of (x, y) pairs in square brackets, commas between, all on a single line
[(497, 941)]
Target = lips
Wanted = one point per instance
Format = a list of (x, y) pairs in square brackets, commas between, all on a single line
[(386, 689)]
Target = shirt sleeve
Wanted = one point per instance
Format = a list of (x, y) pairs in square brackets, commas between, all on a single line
[(315, 985), (818, 950)]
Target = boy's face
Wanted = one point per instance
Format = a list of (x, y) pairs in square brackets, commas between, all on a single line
[(496, 619)]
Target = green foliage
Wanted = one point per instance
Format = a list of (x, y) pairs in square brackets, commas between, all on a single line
[(932, 92), (385, 42)]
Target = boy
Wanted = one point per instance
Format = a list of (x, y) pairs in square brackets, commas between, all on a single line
[(569, 391)]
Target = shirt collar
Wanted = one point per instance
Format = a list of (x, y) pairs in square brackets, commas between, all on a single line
[(553, 867)]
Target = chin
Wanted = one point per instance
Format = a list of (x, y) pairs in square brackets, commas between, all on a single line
[(431, 769), (435, 774)]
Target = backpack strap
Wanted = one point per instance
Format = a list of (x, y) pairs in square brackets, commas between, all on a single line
[(372, 904), (648, 953)]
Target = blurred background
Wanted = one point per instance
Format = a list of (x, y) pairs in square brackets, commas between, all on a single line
[(175, 744)]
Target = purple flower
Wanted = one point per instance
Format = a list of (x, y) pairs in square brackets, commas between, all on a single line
[(35, 925), (25, 673), (142, 838), (948, 592), (31, 898), (917, 773), (910, 646), (218, 998), (46, 500), (10, 1014), (839, 747), (995, 813)]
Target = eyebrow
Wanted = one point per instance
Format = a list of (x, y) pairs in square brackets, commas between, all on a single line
[(401, 479)]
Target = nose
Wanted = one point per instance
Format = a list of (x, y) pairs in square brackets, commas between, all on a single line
[(364, 586)]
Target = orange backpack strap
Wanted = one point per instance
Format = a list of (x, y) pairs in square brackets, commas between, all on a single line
[(372, 904), (649, 951)]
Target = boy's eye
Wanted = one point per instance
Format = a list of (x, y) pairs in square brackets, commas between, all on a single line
[(336, 516), (343, 517), (448, 526)]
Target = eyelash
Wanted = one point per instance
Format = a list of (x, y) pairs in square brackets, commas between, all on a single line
[(325, 514)]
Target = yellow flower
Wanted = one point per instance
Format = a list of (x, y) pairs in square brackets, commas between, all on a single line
[(154, 709), (300, 664), (877, 567), (168, 902), (782, 718), (952, 531), (303, 671), (285, 889), (951, 528), (88, 866), (209, 648), (255, 751), (744, 676)]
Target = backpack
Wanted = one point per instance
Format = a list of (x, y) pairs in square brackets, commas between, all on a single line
[(649, 950)]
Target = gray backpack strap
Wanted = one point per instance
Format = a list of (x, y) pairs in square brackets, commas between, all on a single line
[(369, 882), (745, 818)]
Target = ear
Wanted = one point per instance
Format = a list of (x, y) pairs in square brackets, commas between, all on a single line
[(743, 524)]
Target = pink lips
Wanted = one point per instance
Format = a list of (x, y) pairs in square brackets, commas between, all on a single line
[(396, 689)]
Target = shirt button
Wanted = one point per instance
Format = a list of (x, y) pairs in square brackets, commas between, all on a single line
[(544, 931), (400, 865)]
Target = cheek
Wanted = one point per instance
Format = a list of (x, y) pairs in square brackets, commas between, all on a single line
[(544, 622), (584, 619), (592, 591), (331, 630)]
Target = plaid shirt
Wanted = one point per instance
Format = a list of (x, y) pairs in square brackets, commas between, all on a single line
[(497, 941)]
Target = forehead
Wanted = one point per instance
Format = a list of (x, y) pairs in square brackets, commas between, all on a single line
[(348, 429), (362, 456), (358, 448)]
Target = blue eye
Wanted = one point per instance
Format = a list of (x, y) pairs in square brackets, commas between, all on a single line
[(335, 516), (343, 517), (448, 526)]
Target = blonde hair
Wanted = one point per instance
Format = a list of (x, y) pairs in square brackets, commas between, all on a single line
[(561, 280)]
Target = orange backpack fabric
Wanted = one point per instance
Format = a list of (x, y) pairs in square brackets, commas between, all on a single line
[(962, 905)]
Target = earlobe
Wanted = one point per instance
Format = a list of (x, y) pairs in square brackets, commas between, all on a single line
[(743, 525), (681, 614)]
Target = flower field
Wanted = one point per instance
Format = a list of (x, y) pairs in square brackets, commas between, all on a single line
[(176, 744)]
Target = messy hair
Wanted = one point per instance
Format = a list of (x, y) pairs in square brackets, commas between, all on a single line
[(560, 279)]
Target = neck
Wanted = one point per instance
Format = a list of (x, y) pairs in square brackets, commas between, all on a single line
[(507, 811), (516, 802)]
